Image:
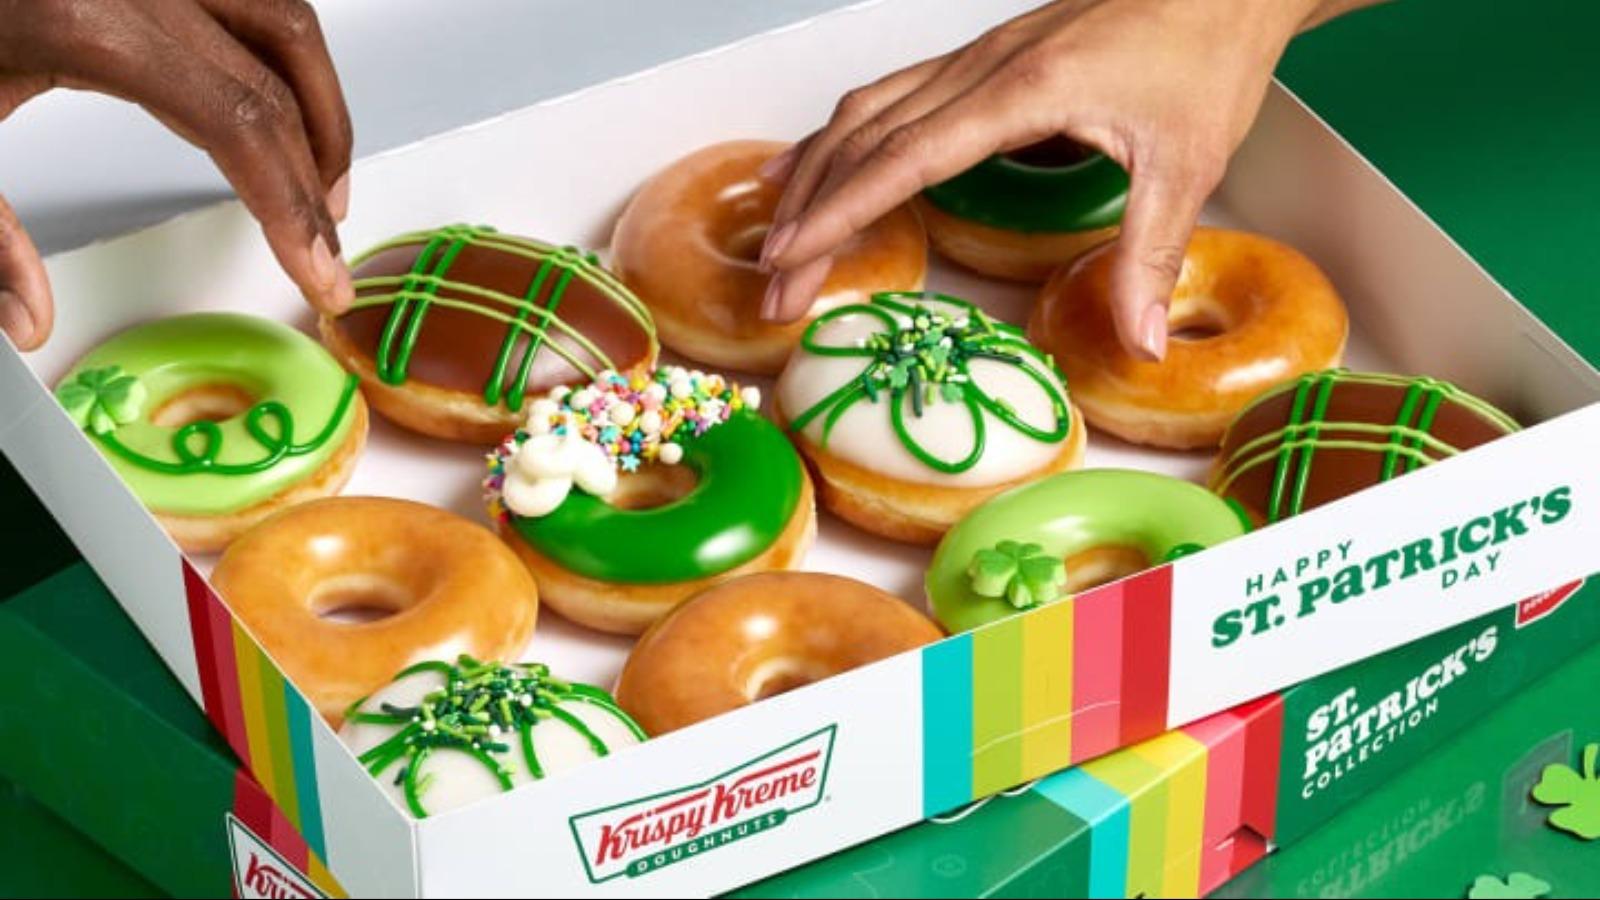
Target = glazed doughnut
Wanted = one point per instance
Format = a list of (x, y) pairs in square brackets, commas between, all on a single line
[(1065, 534), (914, 408), (1326, 435), (753, 637), (1022, 215), (452, 330), (708, 490), (689, 241), (217, 420), (439, 584), (421, 738), (1259, 312)]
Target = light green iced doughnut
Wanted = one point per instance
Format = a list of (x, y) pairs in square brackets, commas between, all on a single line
[(1007, 554)]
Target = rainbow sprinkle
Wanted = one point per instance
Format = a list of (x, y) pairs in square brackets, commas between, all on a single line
[(633, 421)]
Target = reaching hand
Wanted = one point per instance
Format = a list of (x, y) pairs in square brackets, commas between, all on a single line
[(248, 81), (1167, 89)]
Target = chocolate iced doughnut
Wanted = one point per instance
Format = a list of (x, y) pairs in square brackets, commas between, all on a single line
[(1326, 435), (454, 330)]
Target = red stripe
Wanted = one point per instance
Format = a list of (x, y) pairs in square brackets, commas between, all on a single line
[(197, 593), (287, 841), (1224, 735), (1146, 654), (1263, 744), (227, 668), (251, 805), (1096, 670)]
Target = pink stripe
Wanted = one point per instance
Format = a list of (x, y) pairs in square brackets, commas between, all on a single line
[(1224, 735), (1096, 671)]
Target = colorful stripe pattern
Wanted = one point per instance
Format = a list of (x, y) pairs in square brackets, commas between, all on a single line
[(256, 811), (1037, 692), (1177, 815), (264, 719)]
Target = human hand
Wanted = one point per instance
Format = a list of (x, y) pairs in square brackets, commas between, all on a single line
[(248, 81), (1167, 89)]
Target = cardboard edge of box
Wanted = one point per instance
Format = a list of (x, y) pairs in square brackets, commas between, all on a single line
[(146, 569)]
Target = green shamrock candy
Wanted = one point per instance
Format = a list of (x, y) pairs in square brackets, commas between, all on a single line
[(1577, 793), (1021, 573), (1517, 886), (101, 399)]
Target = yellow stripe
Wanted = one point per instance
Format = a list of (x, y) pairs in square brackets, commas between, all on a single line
[(1144, 784), (283, 789), (1047, 690), (322, 878), (1184, 760), (247, 661), (997, 719)]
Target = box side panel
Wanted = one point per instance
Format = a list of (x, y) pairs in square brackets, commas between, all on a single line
[(1437, 547), (705, 809), (1293, 179)]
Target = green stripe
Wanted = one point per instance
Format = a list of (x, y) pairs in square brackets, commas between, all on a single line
[(997, 719)]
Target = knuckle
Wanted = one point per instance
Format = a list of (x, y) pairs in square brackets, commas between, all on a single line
[(856, 105), (857, 146), (258, 105), (904, 144), (297, 20), (1164, 261), (1031, 70)]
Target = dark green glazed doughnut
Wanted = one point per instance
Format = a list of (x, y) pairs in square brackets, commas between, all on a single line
[(1009, 194), (749, 483)]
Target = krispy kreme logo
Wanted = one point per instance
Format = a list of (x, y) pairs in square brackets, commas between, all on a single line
[(640, 836), (258, 870)]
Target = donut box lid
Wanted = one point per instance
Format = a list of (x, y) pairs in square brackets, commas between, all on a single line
[(913, 735)]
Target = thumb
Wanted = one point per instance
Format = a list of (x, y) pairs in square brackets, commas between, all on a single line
[(26, 310), (1163, 204)]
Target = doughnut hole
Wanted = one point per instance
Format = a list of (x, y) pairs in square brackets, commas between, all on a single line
[(653, 486), (1195, 319), (358, 598), (737, 222), (776, 676), (203, 403), (1104, 564), (1054, 152)]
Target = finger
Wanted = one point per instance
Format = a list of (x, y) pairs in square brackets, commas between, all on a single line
[(908, 159), (217, 94), (26, 311), (852, 110), (287, 35), (790, 294), (1164, 201)]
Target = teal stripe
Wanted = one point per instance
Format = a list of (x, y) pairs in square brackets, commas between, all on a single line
[(946, 725), (305, 770), (1109, 815)]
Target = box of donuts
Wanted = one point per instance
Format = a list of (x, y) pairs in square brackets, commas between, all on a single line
[(551, 545)]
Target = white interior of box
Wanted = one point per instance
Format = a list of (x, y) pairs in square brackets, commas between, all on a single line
[(562, 170)]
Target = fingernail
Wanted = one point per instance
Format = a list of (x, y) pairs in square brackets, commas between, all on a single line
[(777, 242), (15, 320), (343, 292), (777, 168), (1153, 332), (323, 268), (769, 303), (339, 198)]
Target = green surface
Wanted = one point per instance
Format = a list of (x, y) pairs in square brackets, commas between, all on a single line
[(1484, 113), (42, 856)]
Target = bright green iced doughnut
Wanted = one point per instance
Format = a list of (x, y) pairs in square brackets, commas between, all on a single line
[(302, 414), (1067, 514)]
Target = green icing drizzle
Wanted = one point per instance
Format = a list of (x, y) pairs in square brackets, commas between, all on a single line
[(304, 409), (278, 441), (480, 706), (410, 297), (927, 361), (1404, 444)]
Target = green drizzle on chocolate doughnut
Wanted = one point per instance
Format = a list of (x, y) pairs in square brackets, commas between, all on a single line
[(480, 711), (926, 359), (1017, 195), (532, 319), (1327, 434)]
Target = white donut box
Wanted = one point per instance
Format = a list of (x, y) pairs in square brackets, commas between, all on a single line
[(874, 749)]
